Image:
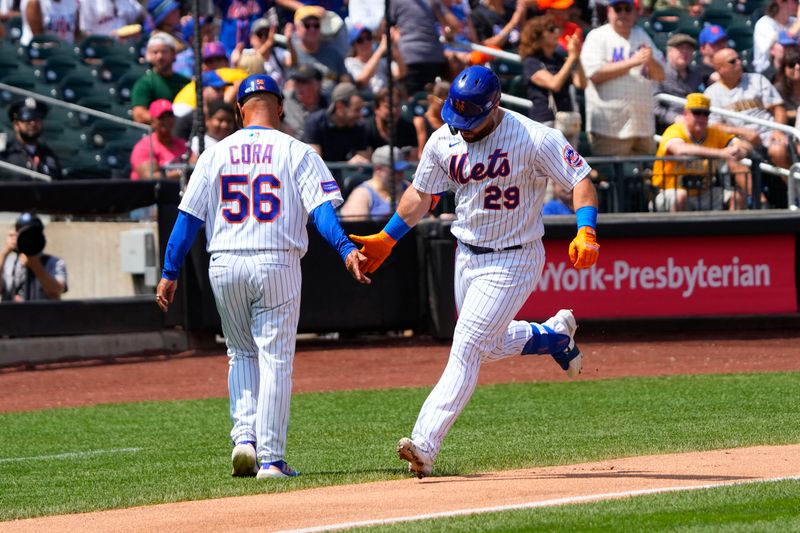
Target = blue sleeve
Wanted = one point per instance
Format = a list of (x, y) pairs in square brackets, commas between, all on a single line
[(180, 240), (324, 218)]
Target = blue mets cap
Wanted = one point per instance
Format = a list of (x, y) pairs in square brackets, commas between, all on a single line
[(258, 83)]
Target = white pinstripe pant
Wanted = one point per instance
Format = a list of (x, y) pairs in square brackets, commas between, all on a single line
[(258, 299), (490, 289)]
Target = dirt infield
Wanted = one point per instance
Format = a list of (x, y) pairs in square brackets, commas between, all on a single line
[(407, 363)]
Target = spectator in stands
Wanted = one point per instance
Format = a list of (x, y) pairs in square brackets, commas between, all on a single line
[(304, 98), (53, 17), (373, 198), (776, 53), (214, 89), (25, 149), (787, 81), (214, 56), (225, 79), (159, 149), (687, 185), (184, 39), (338, 133), (680, 78), (166, 17), (419, 43), (310, 47), (498, 24), (160, 82), (378, 127), (237, 16), (251, 62), (712, 39), (753, 95), (105, 17), (368, 67), (28, 274), (560, 202), (780, 15), (622, 65), (559, 12), (431, 120), (550, 70), (220, 122), (277, 61)]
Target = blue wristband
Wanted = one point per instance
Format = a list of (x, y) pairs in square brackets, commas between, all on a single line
[(586, 216), (396, 227)]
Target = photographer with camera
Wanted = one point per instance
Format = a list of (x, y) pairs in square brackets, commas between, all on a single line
[(27, 273)]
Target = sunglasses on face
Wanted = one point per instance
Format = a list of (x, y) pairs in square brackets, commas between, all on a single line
[(364, 39), (733, 60), (622, 8), (311, 25), (793, 64), (700, 112), (553, 29), (262, 34)]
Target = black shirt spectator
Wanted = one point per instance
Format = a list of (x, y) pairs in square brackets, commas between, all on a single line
[(24, 149), (538, 95), (338, 133), (378, 129)]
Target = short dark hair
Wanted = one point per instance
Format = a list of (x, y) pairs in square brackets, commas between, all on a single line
[(219, 105)]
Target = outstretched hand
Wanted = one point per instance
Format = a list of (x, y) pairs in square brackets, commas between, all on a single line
[(165, 292), (376, 248), (584, 250), (354, 263)]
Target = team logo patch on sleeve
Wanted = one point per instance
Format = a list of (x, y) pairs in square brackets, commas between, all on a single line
[(329, 186), (572, 157)]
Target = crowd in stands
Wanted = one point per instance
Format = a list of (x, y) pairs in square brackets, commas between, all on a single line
[(591, 70)]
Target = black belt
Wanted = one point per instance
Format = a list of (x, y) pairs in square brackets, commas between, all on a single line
[(481, 250)]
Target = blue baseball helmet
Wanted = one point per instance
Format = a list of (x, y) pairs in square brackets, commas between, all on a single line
[(258, 83), (473, 95)]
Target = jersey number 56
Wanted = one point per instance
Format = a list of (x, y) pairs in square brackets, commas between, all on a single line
[(264, 206)]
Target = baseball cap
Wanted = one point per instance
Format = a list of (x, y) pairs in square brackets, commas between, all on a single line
[(307, 12), (381, 157), (187, 27), (213, 50), (784, 39), (160, 9), (678, 39), (258, 83), (27, 109), (159, 107), (212, 79), (697, 101), (355, 32), (260, 24), (711, 34), (343, 92), (305, 72), (27, 219), (164, 38), (555, 4)]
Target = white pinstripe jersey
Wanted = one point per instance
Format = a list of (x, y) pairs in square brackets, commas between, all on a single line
[(254, 190), (499, 181)]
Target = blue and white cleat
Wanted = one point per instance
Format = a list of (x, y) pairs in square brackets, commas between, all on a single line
[(569, 359), (276, 469)]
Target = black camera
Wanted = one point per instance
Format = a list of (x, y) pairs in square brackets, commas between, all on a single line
[(30, 234)]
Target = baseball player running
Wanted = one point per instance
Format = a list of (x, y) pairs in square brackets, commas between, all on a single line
[(255, 191), (498, 163)]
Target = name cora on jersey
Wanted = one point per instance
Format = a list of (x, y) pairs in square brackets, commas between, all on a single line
[(498, 165), (250, 153)]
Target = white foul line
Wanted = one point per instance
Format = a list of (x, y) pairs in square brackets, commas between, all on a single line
[(69, 455), (529, 505)]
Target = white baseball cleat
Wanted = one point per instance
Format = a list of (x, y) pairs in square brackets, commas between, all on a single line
[(276, 469), (419, 462), (570, 358), (243, 457)]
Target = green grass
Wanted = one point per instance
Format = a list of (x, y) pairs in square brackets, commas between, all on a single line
[(763, 507), (349, 437)]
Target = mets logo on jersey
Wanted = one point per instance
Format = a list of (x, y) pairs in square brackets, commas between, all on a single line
[(572, 157)]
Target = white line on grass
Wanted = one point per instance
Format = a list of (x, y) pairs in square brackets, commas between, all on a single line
[(69, 455), (529, 505)]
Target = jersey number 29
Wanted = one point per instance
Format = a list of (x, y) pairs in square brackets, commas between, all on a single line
[(264, 206)]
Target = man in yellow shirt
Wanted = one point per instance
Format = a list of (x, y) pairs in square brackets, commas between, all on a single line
[(687, 185)]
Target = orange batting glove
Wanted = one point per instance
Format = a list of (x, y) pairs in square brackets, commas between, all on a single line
[(376, 248), (584, 250)]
